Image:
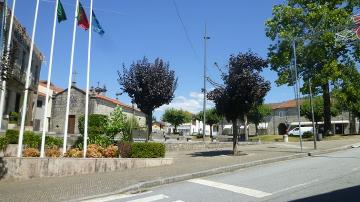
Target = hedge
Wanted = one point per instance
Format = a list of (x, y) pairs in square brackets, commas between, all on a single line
[(147, 150), (32, 139)]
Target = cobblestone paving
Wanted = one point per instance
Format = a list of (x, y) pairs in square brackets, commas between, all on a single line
[(73, 187)]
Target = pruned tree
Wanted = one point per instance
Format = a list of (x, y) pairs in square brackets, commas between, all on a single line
[(149, 85), (212, 117), (258, 114), (312, 26), (243, 89), (176, 117)]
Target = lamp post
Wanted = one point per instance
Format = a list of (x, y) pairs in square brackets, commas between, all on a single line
[(205, 75)]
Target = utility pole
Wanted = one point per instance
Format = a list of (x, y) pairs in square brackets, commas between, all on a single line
[(205, 75), (312, 113)]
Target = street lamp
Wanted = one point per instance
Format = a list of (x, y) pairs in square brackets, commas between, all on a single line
[(206, 37)]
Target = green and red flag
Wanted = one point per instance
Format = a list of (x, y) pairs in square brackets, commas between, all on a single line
[(82, 20), (61, 15)]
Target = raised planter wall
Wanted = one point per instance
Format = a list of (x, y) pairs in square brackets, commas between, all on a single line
[(26, 168), (189, 146)]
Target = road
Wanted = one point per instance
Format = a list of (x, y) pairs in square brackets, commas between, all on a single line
[(328, 177)]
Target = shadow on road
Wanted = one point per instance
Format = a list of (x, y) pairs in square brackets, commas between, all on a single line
[(347, 194), (212, 153), (3, 169)]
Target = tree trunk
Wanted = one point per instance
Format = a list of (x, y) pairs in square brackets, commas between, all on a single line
[(352, 123), (211, 132), (245, 128), (327, 111), (149, 125), (235, 137)]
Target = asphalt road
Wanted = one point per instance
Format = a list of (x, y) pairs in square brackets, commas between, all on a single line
[(330, 177)]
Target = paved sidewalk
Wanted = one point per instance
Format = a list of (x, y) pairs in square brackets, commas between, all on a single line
[(74, 187)]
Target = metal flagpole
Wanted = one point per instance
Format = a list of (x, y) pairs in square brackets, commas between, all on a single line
[(45, 123), (312, 113), (70, 79), (27, 84), (87, 82), (3, 83), (205, 75)]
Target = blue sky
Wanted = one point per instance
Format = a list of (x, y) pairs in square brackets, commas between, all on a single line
[(151, 28)]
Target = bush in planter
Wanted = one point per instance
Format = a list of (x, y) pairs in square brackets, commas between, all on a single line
[(101, 140), (51, 141), (52, 152), (12, 136), (94, 151), (31, 152), (111, 151), (96, 124), (3, 142), (147, 150), (32, 139), (124, 149), (74, 153)]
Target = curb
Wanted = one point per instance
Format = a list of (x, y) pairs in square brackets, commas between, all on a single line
[(225, 169)]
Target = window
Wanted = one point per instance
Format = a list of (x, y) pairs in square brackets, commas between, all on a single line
[(282, 113), (39, 103)]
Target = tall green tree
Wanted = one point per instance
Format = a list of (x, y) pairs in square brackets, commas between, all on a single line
[(149, 85), (176, 117), (258, 114), (312, 25), (115, 123), (212, 117), (243, 89)]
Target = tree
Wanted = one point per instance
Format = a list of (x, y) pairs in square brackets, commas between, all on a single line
[(258, 113), (312, 26), (149, 85), (212, 117), (115, 123), (318, 104), (176, 117), (243, 88)]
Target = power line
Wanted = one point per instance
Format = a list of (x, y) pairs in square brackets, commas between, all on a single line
[(185, 30)]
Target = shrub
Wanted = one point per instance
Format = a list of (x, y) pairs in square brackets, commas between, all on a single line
[(74, 153), (307, 134), (12, 136), (51, 141), (31, 152), (101, 140), (94, 151), (97, 124), (13, 117), (125, 149), (3, 142), (32, 139), (147, 150), (111, 151), (52, 152)]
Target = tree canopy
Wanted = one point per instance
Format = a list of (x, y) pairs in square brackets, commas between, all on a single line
[(212, 117), (258, 114), (318, 104), (312, 26), (176, 117), (149, 85)]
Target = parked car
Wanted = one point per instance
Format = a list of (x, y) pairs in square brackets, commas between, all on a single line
[(296, 131)]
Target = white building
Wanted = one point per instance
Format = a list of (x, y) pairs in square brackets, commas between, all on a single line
[(192, 128)]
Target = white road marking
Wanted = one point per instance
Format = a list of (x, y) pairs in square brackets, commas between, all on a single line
[(228, 187), (295, 186), (150, 198), (116, 197), (178, 201), (356, 169)]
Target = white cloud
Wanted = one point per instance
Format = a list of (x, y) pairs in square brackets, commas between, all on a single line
[(192, 103)]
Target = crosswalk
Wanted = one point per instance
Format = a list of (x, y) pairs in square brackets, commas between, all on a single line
[(151, 196)]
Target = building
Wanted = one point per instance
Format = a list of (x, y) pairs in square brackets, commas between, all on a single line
[(99, 103), (17, 75), (193, 127), (40, 105)]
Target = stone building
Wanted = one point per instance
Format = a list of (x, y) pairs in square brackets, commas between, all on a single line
[(99, 103), (17, 76)]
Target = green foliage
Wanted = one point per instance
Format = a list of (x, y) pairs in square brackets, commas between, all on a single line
[(12, 136), (318, 103), (130, 124), (3, 142), (176, 117), (115, 123), (147, 150), (51, 141), (258, 113), (97, 124), (212, 116), (32, 139), (13, 117), (98, 139)]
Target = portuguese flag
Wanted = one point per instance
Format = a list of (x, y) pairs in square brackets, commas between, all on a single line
[(61, 15), (82, 20)]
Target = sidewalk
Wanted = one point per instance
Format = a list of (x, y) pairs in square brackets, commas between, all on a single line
[(185, 162)]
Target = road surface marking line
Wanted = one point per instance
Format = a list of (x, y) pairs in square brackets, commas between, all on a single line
[(228, 187), (295, 186), (150, 198), (178, 201), (116, 197), (356, 169)]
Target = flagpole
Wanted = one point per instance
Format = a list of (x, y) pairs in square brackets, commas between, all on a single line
[(70, 79), (87, 82), (27, 83), (45, 123), (3, 83)]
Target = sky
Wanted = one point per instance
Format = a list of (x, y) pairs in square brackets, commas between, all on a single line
[(152, 28)]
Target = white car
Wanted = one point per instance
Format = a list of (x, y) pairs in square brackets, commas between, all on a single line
[(296, 131)]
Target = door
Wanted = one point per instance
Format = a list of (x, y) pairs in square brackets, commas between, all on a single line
[(71, 124)]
